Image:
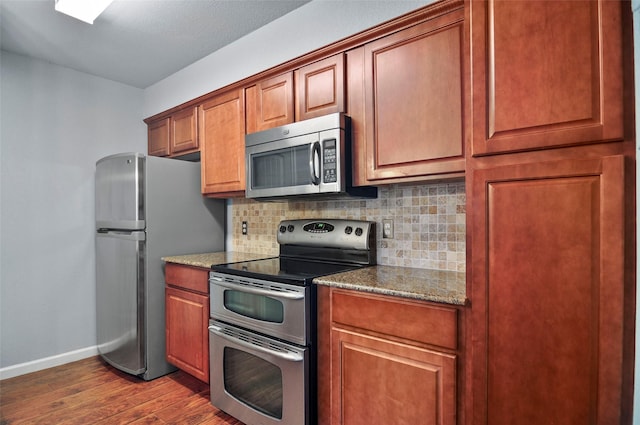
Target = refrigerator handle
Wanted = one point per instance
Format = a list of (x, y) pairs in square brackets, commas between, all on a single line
[(135, 235)]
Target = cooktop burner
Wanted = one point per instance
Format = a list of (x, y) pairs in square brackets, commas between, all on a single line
[(285, 270)]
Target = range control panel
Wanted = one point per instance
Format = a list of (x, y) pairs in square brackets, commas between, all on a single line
[(335, 233), (318, 227)]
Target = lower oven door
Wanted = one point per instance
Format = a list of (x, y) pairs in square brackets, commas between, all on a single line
[(258, 380), (271, 308)]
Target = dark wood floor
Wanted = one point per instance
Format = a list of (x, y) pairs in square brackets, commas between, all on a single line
[(92, 392)]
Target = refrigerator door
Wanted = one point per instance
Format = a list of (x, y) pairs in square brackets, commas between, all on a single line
[(120, 291), (120, 192)]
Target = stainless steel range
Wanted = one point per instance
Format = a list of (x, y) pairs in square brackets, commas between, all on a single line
[(262, 333)]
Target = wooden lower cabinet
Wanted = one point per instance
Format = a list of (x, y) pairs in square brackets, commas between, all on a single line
[(369, 374), (388, 382), (187, 319), (548, 293)]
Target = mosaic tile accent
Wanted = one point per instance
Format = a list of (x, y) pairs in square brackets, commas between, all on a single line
[(428, 220)]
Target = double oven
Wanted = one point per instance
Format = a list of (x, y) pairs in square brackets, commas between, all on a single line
[(262, 332)]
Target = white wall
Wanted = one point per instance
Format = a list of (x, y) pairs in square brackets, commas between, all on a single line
[(314, 25), (56, 123)]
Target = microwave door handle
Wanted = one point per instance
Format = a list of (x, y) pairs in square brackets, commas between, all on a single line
[(314, 162)]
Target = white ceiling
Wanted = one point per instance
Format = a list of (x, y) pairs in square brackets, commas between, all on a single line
[(135, 42)]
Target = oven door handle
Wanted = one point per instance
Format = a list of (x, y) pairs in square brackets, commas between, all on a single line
[(289, 356), (257, 291)]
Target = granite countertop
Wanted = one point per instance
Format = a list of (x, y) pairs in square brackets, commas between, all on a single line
[(209, 259), (422, 284)]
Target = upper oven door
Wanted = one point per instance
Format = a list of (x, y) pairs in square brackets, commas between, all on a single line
[(284, 167), (276, 309)]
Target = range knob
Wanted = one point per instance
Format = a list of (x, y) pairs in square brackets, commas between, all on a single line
[(283, 229), (359, 231), (290, 228), (348, 230)]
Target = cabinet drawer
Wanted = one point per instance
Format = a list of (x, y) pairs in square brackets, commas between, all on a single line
[(401, 318), (187, 277)]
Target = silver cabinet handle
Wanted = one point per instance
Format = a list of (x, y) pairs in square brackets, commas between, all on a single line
[(289, 356), (247, 287)]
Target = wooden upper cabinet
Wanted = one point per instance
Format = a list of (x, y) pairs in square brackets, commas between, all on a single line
[(545, 73), (158, 137), (222, 130), (174, 135), (184, 131), (270, 103), (548, 290), (413, 100), (320, 88)]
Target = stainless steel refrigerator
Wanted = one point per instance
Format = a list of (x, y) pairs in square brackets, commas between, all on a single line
[(146, 208)]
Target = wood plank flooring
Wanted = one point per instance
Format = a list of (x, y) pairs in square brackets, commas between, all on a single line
[(91, 391)]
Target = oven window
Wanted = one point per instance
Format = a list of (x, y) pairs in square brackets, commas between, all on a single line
[(253, 381), (281, 168), (258, 307)]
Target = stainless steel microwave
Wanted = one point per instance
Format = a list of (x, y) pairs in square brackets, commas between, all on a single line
[(305, 158)]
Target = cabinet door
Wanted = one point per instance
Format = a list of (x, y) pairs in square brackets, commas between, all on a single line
[(385, 382), (222, 145), (356, 110), (413, 100), (547, 293), (184, 131), (158, 137), (187, 339), (320, 88), (270, 103), (545, 73)]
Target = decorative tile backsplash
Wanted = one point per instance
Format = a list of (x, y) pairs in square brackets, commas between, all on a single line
[(428, 220)]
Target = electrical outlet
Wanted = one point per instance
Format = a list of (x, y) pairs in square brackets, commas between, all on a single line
[(245, 228), (387, 228)]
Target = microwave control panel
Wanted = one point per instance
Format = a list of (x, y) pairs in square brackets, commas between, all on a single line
[(329, 159)]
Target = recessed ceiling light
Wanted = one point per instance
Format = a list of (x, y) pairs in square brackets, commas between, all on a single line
[(84, 10)]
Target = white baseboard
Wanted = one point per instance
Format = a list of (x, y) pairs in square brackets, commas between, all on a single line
[(47, 362)]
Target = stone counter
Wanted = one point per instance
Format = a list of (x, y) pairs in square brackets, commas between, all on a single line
[(209, 259), (421, 284)]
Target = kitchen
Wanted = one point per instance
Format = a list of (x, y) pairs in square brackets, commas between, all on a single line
[(43, 263)]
